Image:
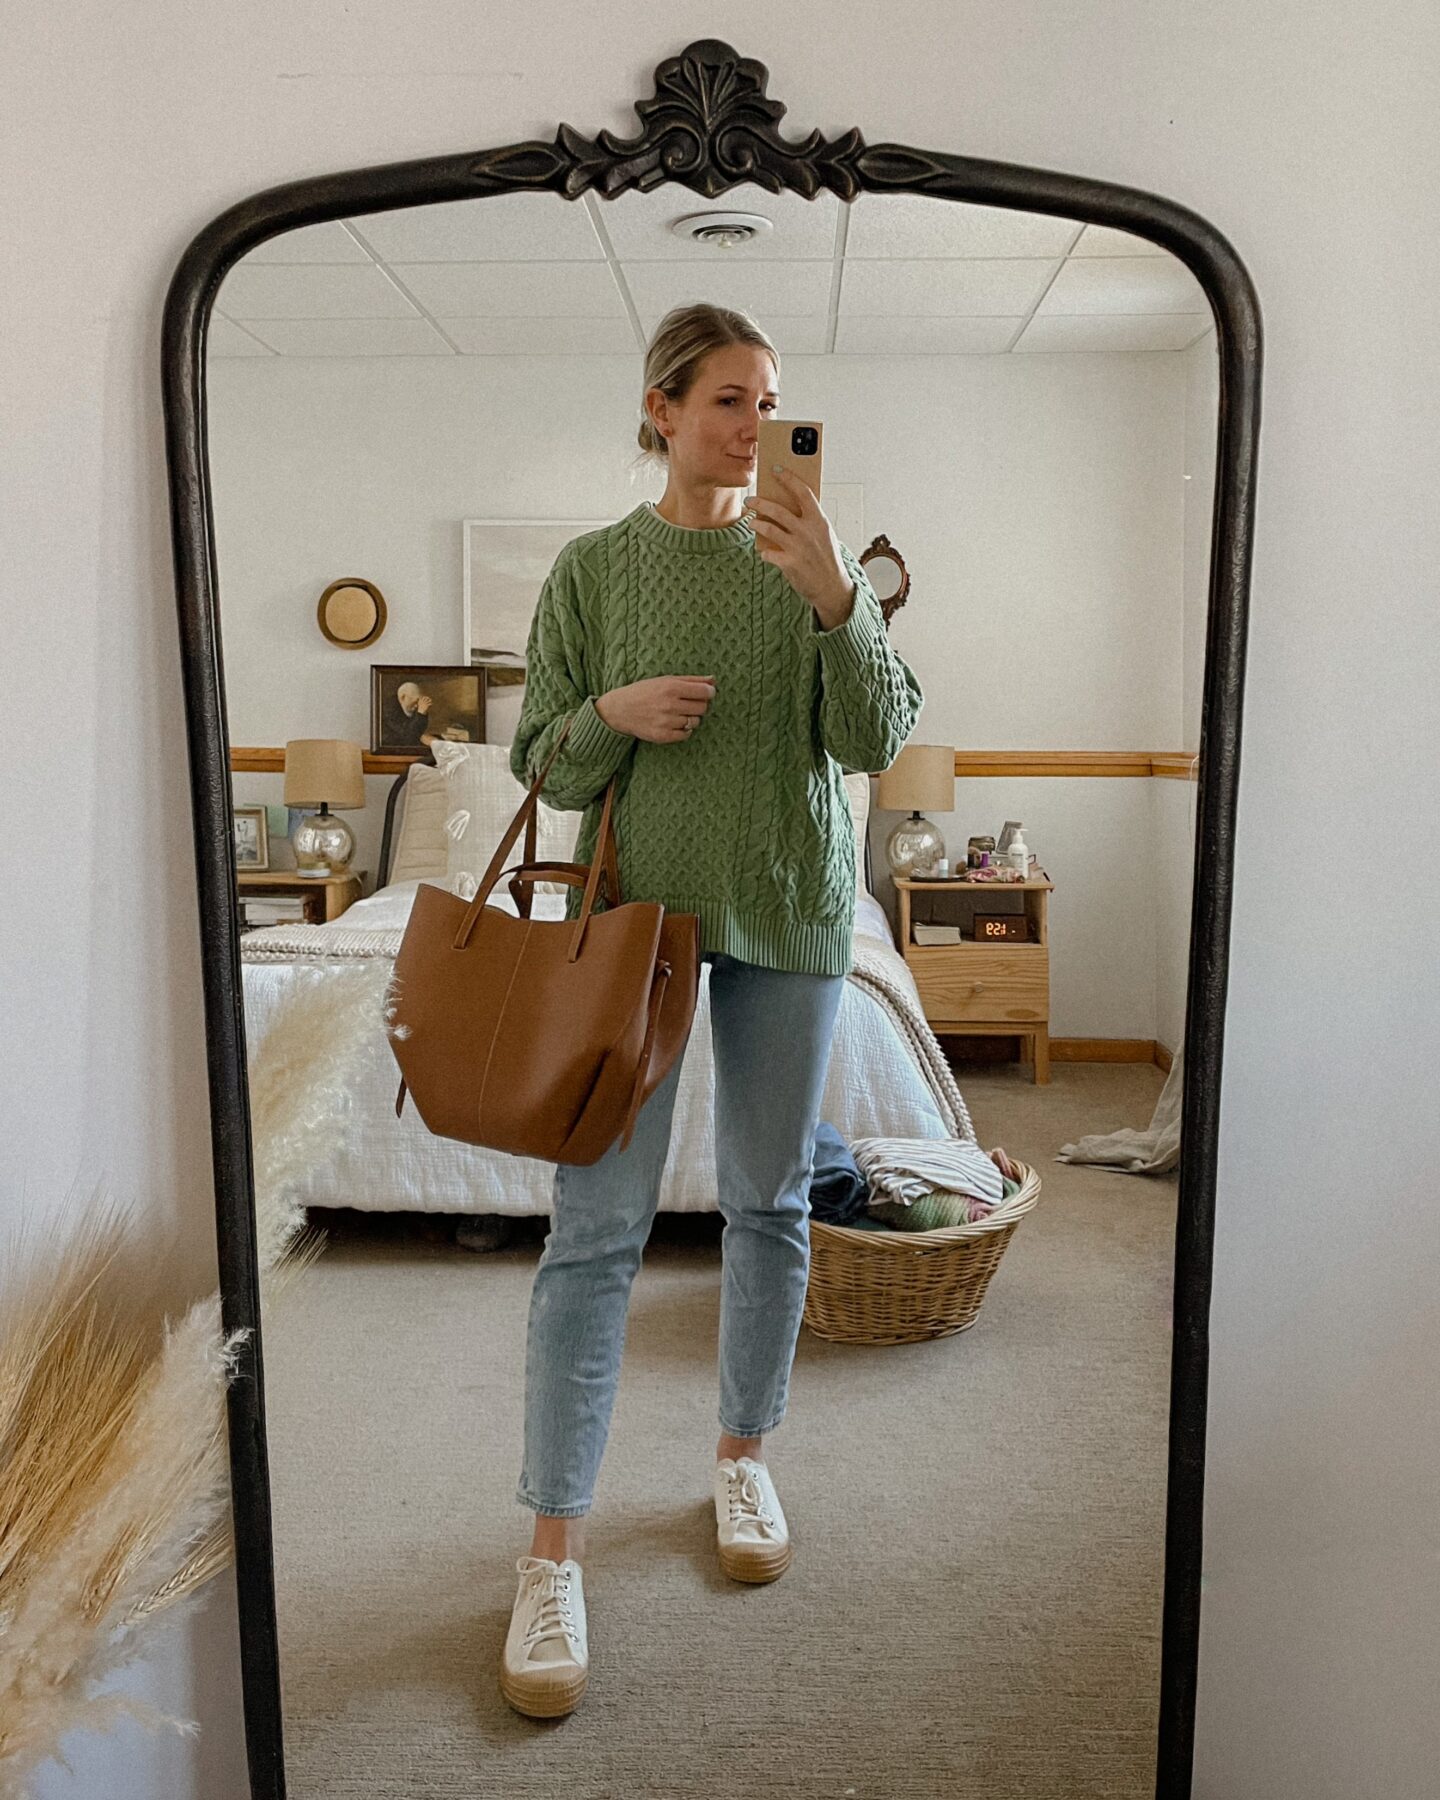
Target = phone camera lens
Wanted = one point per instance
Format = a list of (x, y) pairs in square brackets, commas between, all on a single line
[(802, 440)]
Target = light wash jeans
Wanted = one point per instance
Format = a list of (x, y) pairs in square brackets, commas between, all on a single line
[(771, 1030)]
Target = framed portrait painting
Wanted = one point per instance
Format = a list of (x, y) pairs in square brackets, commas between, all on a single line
[(412, 705)]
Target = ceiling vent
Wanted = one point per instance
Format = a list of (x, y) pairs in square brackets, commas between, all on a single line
[(723, 229)]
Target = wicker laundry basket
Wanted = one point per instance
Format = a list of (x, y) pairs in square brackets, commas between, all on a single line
[(899, 1287)]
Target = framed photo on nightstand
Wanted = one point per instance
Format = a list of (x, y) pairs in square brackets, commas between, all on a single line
[(252, 837)]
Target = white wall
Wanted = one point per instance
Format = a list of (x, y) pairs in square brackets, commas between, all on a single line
[(1040, 502), (1173, 803), (1305, 133)]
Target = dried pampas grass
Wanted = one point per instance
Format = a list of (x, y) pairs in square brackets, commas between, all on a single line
[(114, 1466), (114, 1470)]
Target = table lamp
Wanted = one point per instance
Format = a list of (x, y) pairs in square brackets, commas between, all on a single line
[(323, 772), (921, 776)]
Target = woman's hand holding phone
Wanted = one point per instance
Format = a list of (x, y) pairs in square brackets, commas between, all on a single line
[(800, 542), (666, 709)]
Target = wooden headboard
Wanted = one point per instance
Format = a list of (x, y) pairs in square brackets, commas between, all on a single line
[(387, 837)]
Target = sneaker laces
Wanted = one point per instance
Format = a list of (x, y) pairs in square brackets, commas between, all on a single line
[(550, 1599), (747, 1498)]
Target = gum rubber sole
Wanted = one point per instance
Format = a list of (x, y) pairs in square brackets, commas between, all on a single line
[(755, 1564), (547, 1701)]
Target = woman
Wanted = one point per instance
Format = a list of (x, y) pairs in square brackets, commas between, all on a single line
[(727, 662)]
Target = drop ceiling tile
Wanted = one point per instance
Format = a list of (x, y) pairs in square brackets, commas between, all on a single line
[(778, 289), (541, 337), (909, 225), (353, 337), (1111, 331), (798, 337), (987, 285), (638, 225), (311, 291), (1124, 284), (226, 339), (861, 335), (790, 336), (326, 243), (501, 228), (1105, 240), (542, 290)]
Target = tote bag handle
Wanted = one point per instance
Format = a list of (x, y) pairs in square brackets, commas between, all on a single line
[(603, 857)]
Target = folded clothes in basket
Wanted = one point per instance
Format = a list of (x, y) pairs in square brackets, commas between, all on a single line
[(915, 1184), (934, 1211), (838, 1191), (906, 1168)]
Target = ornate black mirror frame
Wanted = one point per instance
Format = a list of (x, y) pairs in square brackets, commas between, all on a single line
[(710, 126)]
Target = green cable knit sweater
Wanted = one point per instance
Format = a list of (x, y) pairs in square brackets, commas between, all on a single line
[(746, 823)]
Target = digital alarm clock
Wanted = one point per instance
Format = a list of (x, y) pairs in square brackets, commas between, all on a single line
[(999, 927)]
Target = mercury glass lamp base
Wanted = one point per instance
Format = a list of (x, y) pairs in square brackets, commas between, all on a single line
[(913, 846), (323, 844)]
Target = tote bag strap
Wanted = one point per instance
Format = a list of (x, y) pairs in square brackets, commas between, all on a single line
[(531, 851), (604, 855)]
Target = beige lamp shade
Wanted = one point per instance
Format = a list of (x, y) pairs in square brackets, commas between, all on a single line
[(921, 779), (324, 771)]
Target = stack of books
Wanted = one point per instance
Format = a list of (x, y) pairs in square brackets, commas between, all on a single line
[(276, 909), (936, 934)]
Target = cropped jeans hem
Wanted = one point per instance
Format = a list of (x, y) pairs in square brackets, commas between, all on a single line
[(553, 1512), (752, 1431)]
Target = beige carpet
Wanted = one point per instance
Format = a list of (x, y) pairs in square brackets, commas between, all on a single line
[(974, 1604)]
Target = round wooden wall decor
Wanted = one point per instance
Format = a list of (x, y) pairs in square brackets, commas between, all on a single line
[(351, 613)]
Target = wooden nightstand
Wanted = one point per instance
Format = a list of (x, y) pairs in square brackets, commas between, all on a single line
[(326, 897), (986, 990)]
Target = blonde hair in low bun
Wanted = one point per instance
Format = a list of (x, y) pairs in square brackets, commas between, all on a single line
[(682, 341)]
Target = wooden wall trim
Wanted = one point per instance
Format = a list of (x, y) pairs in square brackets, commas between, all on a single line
[(1171, 764), (265, 760), (1174, 765)]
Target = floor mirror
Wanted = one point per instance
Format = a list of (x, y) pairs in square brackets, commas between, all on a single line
[(393, 396)]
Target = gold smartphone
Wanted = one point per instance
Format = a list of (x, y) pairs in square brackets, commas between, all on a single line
[(796, 444)]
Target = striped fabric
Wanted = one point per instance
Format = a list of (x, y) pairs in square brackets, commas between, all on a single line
[(906, 1168)]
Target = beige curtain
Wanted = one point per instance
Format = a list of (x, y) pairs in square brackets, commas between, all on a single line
[(1153, 1151)]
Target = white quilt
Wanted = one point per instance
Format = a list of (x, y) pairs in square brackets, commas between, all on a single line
[(887, 1076)]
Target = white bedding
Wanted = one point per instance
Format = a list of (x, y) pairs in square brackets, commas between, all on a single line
[(887, 1077)]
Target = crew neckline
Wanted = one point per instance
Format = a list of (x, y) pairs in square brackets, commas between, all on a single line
[(696, 539)]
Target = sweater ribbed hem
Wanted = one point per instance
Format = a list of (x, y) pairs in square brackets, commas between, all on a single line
[(774, 940)]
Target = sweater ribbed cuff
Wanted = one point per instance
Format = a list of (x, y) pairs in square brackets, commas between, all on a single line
[(593, 743), (855, 640)]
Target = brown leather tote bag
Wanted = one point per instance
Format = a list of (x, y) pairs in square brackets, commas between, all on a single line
[(541, 1037)]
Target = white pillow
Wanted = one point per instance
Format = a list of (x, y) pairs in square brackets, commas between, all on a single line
[(858, 788), (482, 798), (421, 851)]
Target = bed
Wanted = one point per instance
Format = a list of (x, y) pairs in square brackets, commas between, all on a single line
[(313, 998)]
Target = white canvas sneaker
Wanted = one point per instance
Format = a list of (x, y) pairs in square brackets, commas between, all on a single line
[(546, 1660), (752, 1536)]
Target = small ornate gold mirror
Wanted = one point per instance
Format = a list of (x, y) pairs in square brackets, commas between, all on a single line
[(885, 569), (352, 613)]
